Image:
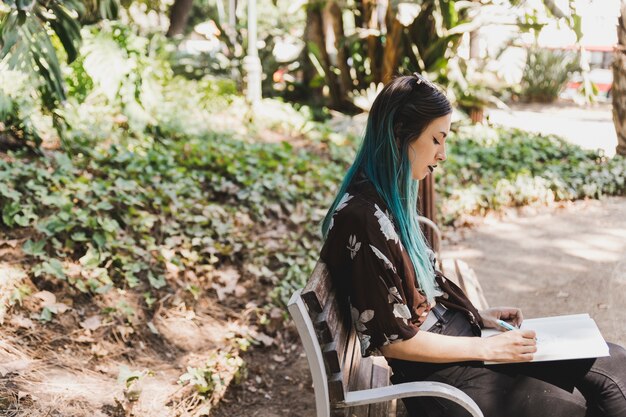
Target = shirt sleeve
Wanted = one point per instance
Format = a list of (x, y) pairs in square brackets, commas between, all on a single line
[(378, 303)]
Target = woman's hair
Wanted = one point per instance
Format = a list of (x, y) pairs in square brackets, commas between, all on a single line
[(399, 114)]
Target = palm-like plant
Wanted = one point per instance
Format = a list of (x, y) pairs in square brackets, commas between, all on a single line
[(26, 42), (390, 37)]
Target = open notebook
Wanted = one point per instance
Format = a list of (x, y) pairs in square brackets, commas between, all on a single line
[(574, 336)]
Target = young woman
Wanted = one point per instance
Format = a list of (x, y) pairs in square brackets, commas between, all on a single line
[(405, 309)]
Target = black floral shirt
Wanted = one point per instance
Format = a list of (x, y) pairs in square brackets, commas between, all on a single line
[(374, 274)]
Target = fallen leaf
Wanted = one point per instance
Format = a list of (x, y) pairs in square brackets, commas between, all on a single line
[(12, 243), (98, 350), (124, 331), (228, 279), (23, 322), (91, 323), (172, 268), (46, 296), (240, 291), (278, 358), (276, 313), (84, 339), (153, 328), (17, 365), (58, 308), (265, 339), (49, 301)]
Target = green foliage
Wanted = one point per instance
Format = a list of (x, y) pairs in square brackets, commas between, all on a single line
[(28, 31), (213, 377), (490, 168), (125, 211), (547, 73), (118, 211), (20, 109)]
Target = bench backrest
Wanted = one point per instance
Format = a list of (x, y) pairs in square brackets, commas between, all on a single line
[(334, 353)]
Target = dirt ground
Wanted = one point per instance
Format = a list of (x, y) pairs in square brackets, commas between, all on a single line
[(556, 260)]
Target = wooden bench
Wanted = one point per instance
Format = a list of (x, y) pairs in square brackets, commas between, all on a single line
[(346, 384)]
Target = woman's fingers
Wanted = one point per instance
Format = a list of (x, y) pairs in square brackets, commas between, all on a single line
[(519, 318), (512, 314)]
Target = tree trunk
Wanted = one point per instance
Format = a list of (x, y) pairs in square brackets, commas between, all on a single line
[(370, 21), (619, 83), (309, 71), (333, 14), (426, 207), (179, 15), (393, 45), (477, 115), (315, 35)]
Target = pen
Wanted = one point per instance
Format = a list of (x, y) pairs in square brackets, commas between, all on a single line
[(505, 325), (508, 326)]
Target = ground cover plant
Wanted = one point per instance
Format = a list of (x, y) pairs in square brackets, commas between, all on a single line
[(491, 168)]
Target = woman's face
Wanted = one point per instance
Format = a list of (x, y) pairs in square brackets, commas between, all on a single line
[(429, 148)]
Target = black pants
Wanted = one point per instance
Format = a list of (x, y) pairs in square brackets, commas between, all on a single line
[(570, 388)]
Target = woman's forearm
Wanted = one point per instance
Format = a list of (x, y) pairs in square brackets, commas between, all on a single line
[(512, 346), (437, 348)]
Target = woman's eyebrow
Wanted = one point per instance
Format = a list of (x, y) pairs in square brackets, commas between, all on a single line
[(445, 135)]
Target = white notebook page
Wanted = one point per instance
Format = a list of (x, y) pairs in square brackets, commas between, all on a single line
[(564, 337)]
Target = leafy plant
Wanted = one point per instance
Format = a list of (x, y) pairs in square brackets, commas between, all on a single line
[(27, 45), (488, 169), (547, 73)]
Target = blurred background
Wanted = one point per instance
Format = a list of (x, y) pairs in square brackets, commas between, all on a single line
[(165, 166)]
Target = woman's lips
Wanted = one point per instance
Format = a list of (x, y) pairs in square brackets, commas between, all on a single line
[(432, 167)]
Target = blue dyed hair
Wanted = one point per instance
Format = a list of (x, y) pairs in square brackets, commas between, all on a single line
[(399, 114)]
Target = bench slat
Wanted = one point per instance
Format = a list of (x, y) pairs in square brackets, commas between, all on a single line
[(317, 289), (449, 270), (331, 320), (352, 360), (472, 287), (380, 378), (338, 382), (335, 351), (362, 379)]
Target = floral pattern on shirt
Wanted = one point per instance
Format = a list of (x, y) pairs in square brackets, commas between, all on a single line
[(359, 320), (353, 246), (383, 258), (386, 226), (367, 262), (342, 203)]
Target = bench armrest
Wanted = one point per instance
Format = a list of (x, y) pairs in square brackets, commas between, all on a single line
[(413, 389), (437, 240)]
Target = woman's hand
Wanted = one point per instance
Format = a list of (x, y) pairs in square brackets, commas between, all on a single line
[(511, 346), (510, 314)]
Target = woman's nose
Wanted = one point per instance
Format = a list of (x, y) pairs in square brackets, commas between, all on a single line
[(441, 156)]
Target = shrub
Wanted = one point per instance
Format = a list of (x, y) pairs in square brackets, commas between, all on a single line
[(490, 168), (546, 73)]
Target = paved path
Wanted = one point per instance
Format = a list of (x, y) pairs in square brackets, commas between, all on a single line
[(559, 261), (590, 127)]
